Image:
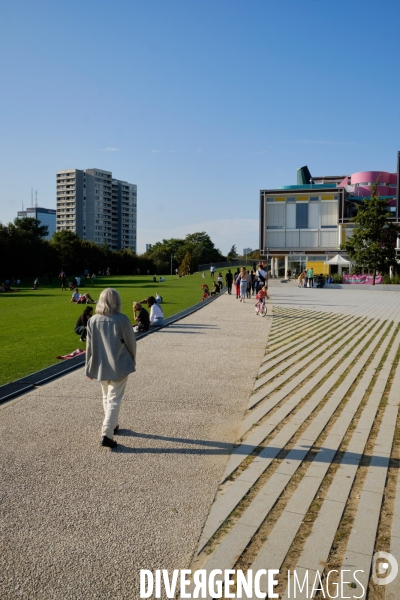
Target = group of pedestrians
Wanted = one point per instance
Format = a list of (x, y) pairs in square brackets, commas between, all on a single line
[(111, 343), (306, 279), (246, 282)]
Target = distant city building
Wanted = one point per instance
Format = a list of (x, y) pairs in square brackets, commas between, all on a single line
[(148, 246), (97, 207), (304, 225), (247, 251), (46, 216)]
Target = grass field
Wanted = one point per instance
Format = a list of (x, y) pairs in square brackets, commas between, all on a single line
[(38, 325)]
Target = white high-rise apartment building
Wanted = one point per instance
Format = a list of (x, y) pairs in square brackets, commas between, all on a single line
[(97, 207)]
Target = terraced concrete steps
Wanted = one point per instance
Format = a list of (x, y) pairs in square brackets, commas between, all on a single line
[(294, 434), (275, 485), (257, 436)]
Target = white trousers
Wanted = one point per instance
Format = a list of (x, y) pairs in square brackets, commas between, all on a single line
[(113, 392)]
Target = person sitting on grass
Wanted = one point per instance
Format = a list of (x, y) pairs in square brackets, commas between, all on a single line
[(216, 289), (6, 288), (36, 284), (82, 298), (81, 324), (158, 298), (206, 291), (141, 317), (156, 314)]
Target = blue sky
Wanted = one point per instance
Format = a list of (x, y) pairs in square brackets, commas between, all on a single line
[(201, 103)]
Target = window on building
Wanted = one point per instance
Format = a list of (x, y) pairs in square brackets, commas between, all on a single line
[(329, 214), (302, 216), (276, 216)]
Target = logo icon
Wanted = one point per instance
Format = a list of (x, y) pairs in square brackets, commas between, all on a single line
[(384, 564)]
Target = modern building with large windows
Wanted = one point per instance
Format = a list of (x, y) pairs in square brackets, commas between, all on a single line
[(46, 216), (303, 226), (97, 207)]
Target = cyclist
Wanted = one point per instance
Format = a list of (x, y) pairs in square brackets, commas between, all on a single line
[(260, 304)]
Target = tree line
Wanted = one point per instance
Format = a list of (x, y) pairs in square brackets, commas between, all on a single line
[(25, 252), (184, 254)]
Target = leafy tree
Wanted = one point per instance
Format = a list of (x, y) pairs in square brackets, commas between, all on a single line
[(204, 250), (123, 262), (68, 247), (232, 254), (255, 254), (373, 243), (26, 251), (195, 249), (30, 227), (160, 254), (186, 263)]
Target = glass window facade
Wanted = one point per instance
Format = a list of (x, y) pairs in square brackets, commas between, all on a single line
[(301, 216)]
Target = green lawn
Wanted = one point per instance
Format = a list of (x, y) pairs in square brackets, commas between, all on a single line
[(38, 325)]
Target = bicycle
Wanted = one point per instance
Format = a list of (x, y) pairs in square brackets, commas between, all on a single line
[(260, 308)]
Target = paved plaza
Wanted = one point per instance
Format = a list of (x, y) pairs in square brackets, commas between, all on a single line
[(246, 443)]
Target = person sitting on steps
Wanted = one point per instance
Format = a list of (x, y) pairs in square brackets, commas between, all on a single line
[(216, 289), (156, 314), (81, 324), (141, 317)]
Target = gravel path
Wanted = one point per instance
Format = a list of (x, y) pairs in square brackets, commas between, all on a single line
[(78, 521)]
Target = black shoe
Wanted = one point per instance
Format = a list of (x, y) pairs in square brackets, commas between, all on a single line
[(116, 429), (105, 441)]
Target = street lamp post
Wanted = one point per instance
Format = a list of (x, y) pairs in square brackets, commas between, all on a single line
[(171, 263)]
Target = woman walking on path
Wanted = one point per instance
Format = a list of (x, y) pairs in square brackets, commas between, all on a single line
[(237, 282), (242, 280), (110, 357)]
